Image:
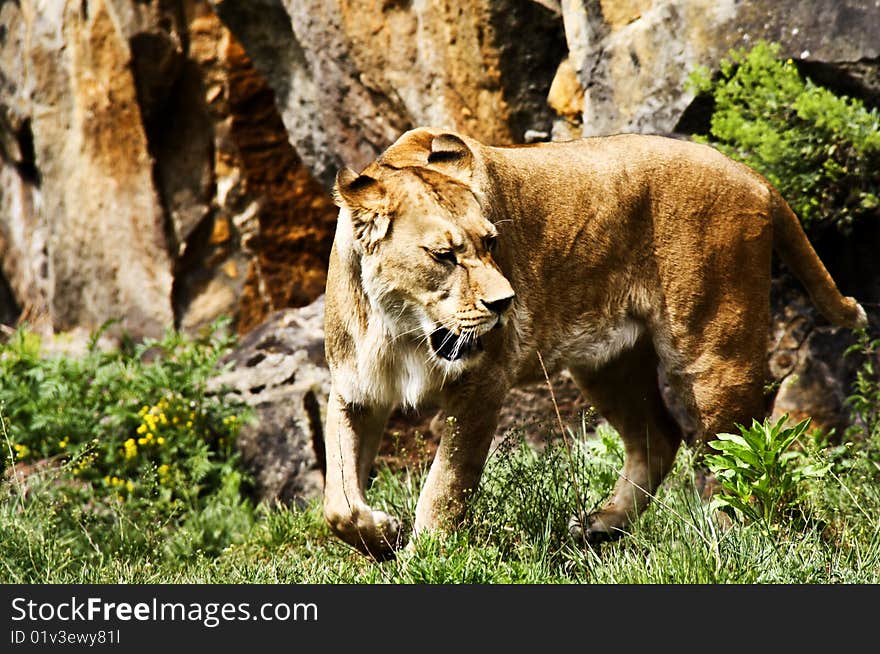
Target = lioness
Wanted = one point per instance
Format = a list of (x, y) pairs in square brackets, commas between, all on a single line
[(456, 264)]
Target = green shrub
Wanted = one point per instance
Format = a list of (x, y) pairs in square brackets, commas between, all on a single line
[(821, 151), (135, 425)]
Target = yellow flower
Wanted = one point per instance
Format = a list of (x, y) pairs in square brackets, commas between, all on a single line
[(130, 486), (142, 429), (163, 469), (130, 449), (21, 451), (142, 441), (161, 440)]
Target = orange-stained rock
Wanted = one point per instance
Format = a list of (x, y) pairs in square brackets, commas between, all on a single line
[(211, 223), (352, 75), (296, 216), (86, 235)]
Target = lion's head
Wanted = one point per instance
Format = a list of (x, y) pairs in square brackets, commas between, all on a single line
[(425, 247)]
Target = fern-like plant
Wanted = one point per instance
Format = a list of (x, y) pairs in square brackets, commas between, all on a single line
[(758, 471)]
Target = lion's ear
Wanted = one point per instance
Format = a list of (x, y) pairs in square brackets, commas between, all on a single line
[(367, 202), (451, 156), (357, 191)]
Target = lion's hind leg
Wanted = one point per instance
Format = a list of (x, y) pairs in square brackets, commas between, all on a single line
[(722, 395), (715, 350), (626, 392)]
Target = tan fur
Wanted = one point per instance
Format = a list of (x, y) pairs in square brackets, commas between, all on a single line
[(625, 253)]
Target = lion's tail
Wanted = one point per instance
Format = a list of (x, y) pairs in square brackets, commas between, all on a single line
[(790, 241)]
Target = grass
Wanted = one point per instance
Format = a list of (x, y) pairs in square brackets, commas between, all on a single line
[(119, 467), (515, 532)]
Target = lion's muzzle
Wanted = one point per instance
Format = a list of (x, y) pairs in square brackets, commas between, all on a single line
[(454, 347)]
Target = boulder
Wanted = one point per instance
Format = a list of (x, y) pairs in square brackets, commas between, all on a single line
[(279, 370)]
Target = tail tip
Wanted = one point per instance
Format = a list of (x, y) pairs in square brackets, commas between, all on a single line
[(861, 319)]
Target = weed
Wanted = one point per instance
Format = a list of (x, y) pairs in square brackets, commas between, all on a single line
[(757, 470)]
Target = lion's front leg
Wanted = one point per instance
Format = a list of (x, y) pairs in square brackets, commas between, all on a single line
[(458, 463), (352, 440)]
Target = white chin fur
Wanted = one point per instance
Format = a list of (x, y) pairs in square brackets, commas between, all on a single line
[(395, 363)]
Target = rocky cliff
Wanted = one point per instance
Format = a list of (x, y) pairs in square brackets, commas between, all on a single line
[(168, 161), (146, 173)]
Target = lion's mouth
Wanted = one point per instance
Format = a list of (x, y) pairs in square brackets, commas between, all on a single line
[(454, 347)]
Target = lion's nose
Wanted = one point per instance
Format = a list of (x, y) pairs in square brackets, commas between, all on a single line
[(500, 305)]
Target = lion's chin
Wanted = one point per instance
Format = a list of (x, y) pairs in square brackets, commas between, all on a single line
[(453, 347)]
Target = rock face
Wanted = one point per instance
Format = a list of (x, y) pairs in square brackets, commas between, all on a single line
[(145, 174), (350, 76), (151, 172), (97, 217), (296, 218), (633, 57)]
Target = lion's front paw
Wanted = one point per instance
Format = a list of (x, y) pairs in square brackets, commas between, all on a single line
[(374, 533), (599, 527)]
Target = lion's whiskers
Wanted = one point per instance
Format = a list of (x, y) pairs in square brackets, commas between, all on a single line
[(407, 332)]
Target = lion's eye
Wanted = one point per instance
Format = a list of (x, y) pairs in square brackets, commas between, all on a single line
[(446, 256), (491, 242)]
